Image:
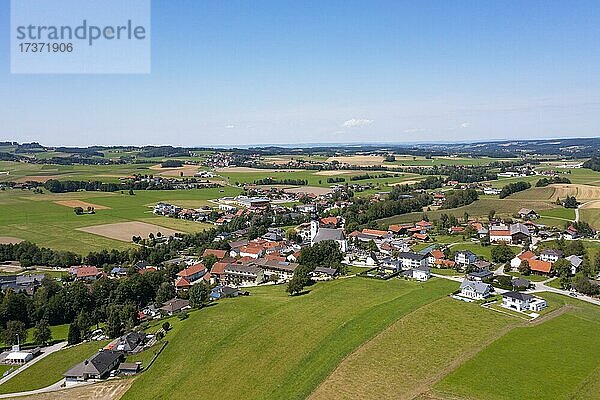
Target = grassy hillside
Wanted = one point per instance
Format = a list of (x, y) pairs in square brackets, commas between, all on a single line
[(556, 359), (414, 351), (270, 345)]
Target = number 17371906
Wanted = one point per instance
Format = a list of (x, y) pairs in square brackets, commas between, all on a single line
[(45, 47)]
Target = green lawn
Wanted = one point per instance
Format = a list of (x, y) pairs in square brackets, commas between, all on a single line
[(553, 360), (270, 345), (532, 277), (50, 369), (59, 333)]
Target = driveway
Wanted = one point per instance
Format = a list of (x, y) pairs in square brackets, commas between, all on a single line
[(46, 351)]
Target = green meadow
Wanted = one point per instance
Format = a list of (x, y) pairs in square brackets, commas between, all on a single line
[(271, 345), (36, 217), (557, 359)]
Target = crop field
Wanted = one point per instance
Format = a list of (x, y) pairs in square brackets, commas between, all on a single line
[(270, 345), (419, 161), (38, 218), (314, 178)]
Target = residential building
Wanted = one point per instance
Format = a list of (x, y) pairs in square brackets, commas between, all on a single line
[(475, 290), (550, 255), (96, 367), (413, 260), (323, 274), (576, 262), (174, 306), (519, 301), (465, 257), (419, 273), (272, 268)]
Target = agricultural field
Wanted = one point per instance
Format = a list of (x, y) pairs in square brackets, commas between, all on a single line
[(340, 331), (490, 374), (478, 209), (45, 219), (301, 339)]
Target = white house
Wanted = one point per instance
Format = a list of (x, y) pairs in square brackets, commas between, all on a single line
[(550, 255), (576, 262), (522, 302), (465, 257), (420, 273), (413, 260), (475, 290)]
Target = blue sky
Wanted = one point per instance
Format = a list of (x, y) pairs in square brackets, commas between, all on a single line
[(257, 72)]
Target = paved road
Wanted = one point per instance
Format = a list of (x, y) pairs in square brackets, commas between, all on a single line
[(46, 351)]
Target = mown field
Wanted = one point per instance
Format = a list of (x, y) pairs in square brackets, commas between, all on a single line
[(38, 218), (405, 359), (270, 345), (557, 359)]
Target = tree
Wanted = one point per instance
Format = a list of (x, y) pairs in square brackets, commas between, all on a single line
[(491, 214), (198, 295), (562, 267), (570, 202), (295, 285), (74, 336), (524, 268), (41, 332), (209, 260), (14, 333), (78, 210), (502, 253), (166, 291), (114, 325), (83, 323), (166, 326)]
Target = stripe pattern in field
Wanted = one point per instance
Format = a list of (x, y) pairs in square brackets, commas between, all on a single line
[(413, 353)]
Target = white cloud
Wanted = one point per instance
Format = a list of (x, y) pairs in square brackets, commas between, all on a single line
[(230, 126), (465, 125), (354, 123)]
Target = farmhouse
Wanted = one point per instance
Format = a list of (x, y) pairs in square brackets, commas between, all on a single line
[(220, 254), (526, 213), (551, 255), (526, 255), (88, 273), (540, 266), (96, 367), (522, 302), (190, 276), (131, 343), (474, 289), (514, 233)]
